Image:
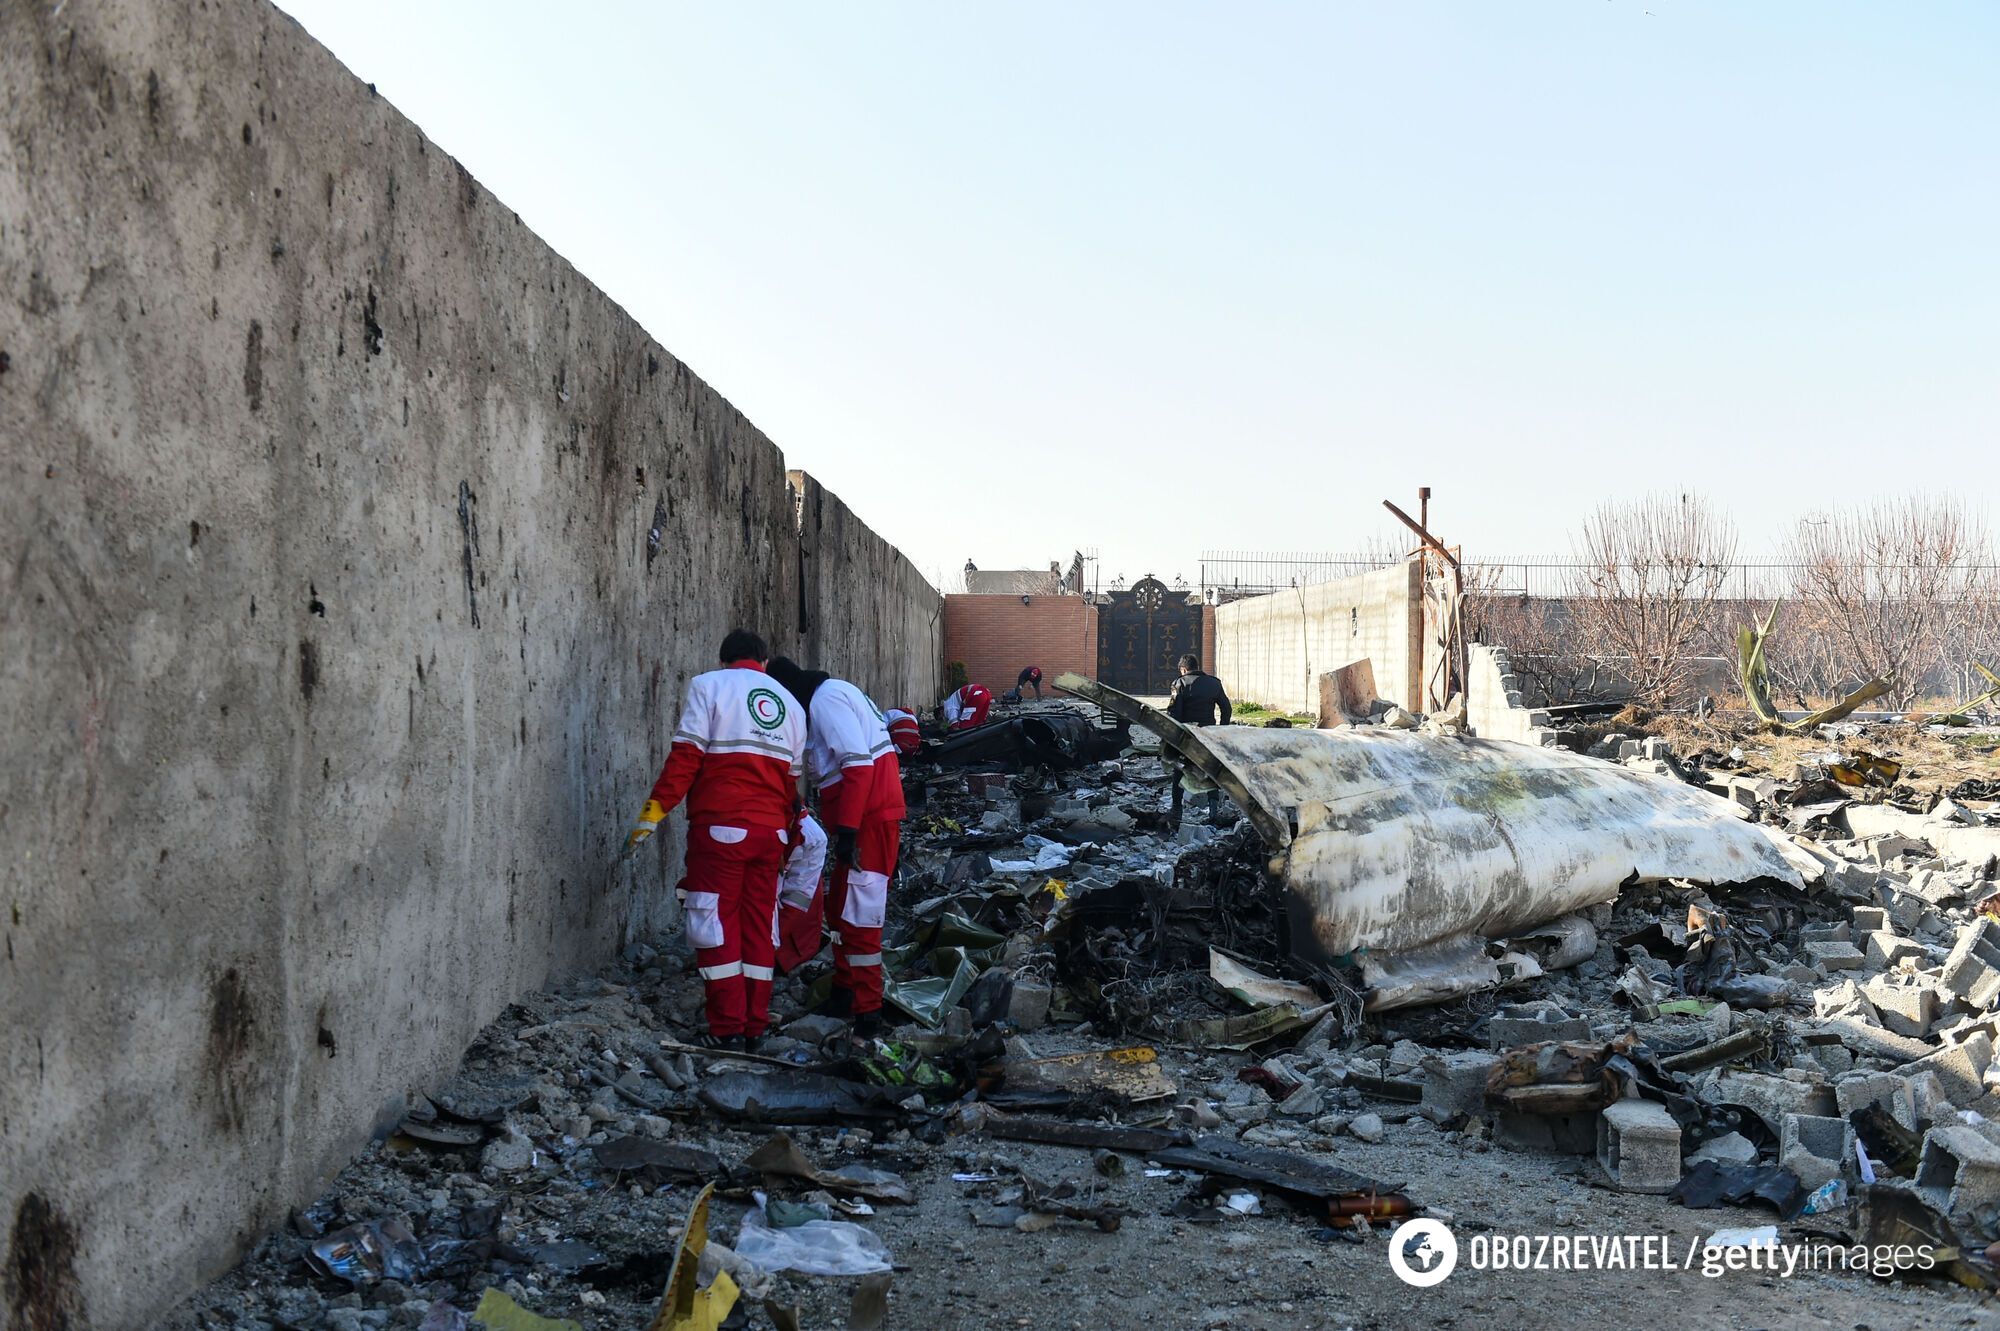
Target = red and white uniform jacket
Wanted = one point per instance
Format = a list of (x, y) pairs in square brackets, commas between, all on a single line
[(903, 732), (852, 761), (799, 883), (737, 753), (967, 707)]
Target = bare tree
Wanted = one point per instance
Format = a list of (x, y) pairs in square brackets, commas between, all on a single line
[(1898, 588), (1647, 578)]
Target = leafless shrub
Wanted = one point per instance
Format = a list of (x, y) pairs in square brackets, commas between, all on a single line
[(1899, 588), (1647, 578), (1544, 646)]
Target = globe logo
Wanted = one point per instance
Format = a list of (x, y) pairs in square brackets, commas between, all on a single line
[(1422, 1252)]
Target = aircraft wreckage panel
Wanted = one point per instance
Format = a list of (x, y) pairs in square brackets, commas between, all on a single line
[(1389, 841)]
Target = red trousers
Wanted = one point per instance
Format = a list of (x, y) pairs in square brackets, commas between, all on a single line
[(857, 899), (732, 920)]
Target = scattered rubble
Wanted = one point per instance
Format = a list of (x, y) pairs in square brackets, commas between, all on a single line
[(1672, 983)]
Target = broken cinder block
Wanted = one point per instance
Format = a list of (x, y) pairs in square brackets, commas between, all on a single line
[(1907, 1009), (1770, 1098), (1834, 956), (1960, 1068), (1455, 1084), (1639, 1146), (1960, 1169), (1861, 1089), (1972, 971), (1524, 1024), (1814, 1148), (1885, 949)]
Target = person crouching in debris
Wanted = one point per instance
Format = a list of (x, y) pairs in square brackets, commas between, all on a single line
[(903, 730), (736, 758), (965, 708), (1030, 677), (853, 764)]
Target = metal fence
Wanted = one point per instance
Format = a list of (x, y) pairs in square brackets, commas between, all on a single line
[(1231, 574)]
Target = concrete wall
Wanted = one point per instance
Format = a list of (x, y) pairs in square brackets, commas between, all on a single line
[(866, 614), (356, 553), (1494, 708), (1272, 649), (995, 636)]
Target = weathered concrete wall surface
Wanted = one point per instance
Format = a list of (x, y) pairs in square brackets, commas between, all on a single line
[(335, 653), (866, 614), (1272, 649), (1494, 708)]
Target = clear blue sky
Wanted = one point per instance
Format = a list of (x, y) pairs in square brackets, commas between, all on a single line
[(1162, 277)]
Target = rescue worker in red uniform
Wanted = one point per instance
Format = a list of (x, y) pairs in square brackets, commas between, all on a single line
[(736, 758), (967, 707), (852, 762), (903, 731)]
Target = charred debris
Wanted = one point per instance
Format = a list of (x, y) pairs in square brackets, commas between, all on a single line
[(1736, 989)]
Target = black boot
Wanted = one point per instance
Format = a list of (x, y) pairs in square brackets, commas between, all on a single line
[(867, 1026)]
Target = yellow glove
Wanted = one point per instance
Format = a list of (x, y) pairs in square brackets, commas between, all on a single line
[(649, 819)]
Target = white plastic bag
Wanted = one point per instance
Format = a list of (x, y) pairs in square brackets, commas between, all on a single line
[(818, 1247)]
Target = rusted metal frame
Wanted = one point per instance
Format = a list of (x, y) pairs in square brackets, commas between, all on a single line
[(1451, 630)]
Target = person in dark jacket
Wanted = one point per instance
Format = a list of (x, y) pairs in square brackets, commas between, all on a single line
[(1197, 699), (1029, 678)]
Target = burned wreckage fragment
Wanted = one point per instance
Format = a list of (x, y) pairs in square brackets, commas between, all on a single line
[(1418, 857)]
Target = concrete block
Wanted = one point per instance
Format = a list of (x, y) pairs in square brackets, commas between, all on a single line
[(1524, 1024), (1455, 1084), (1630, 748), (1905, 1008), (1861, 1089), (1731, 1148), (1906, 911), (1868, 919), (1874, 1042), (1936, 887), (1832, 957), (1959, 1068), (1814, 1148), (1655, 747), (1972, 971), (1892, 846), (1928, 1098), (1769, 1098), (1836, 932), (1028, 1003), (1639, 1146), (1845, 999), (1885, 950), (1545, 1134), (1960, 1170)]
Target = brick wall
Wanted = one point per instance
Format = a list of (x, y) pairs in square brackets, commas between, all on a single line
[(995, 635)]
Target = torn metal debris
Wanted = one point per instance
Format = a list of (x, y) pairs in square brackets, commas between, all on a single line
[(1390, 842)]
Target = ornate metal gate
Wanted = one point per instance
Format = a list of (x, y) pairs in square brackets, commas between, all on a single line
[(1141, 633)]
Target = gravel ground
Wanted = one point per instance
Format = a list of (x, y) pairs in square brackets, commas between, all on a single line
[(526, 1208), (1278, 1269)]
